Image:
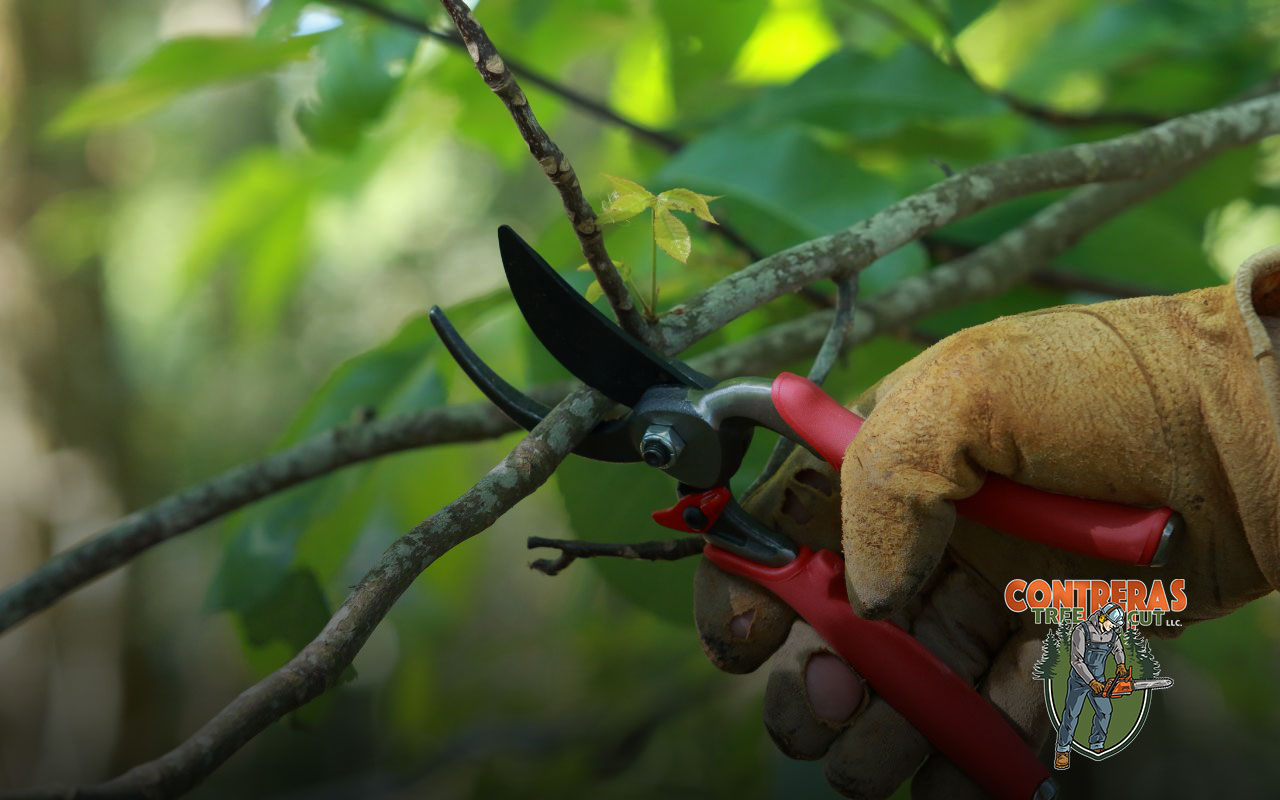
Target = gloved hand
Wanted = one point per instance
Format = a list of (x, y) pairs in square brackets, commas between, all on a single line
[(1153, 401), (1122, 671), (1098, 687)]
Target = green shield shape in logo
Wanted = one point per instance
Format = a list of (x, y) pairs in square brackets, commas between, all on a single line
[(1128, 711)]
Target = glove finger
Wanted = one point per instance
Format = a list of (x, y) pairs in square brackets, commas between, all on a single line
[(924, 446), (871, 759), (811, 695), (739, 624), (1010, 688), (959, 622)]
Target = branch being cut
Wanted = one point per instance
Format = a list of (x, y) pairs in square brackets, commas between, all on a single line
[(1156, 151), (497, 76), (573, 549)]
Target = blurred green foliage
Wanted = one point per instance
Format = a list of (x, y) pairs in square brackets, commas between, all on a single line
[(256, 235)]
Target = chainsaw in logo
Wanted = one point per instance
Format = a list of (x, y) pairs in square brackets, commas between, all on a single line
[(1094, 715)]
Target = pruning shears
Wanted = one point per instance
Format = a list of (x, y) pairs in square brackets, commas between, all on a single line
[(697, 430)]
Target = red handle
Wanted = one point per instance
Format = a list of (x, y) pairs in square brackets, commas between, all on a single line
[(1090, 527), (947, 711)]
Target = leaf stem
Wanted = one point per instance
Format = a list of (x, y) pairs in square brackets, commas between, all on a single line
[(653, 263)]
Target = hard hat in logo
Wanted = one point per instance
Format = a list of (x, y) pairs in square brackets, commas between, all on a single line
[(1113, 612)]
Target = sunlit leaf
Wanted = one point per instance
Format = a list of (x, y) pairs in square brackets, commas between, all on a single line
[(689, 201), (176, 67), (671, 235), (628, 199)]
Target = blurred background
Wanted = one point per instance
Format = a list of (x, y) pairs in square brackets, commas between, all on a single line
[(221, 222)]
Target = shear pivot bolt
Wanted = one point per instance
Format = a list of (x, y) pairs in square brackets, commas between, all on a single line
[(660, 446)]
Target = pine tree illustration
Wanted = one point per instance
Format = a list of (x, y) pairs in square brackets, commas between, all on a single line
[(1051, 653), (1139, 656)]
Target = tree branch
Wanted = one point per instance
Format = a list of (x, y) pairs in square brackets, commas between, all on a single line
[(1175, 148), (1155, 151), (319, 665), (497, 76), (985, 272), (660, 139), (755, 285), (237, 487), (573, 549), (320, 455)]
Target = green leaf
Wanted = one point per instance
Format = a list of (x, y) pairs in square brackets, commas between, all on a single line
[(671, 235), (364, 65), (855, 94), (704, 40), (688, 201), (628, 199), (173, 69), (797, 189)]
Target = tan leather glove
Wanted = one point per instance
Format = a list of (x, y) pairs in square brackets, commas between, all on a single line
[(1153, 401), (1098, 687)]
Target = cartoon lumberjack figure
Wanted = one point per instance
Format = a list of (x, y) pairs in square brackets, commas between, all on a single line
[(1091, 642)]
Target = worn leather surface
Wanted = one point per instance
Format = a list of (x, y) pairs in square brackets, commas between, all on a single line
[(1150, 401)]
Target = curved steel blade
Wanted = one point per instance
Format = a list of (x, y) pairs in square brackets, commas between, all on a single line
[(608, 441), (586, 342)]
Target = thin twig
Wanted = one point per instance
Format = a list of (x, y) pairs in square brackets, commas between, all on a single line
[(498, 77), (1075, 282), (660, 139), (833, 345), (941, 250), (573, 549)]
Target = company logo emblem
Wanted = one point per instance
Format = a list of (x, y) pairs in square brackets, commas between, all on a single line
[(1098, 671)]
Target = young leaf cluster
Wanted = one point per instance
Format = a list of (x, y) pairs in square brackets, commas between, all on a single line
[(629, 199)]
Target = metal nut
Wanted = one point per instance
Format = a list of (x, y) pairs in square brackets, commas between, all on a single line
[(660, 446)]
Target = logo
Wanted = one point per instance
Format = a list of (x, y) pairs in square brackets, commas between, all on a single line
[(1097, 670)]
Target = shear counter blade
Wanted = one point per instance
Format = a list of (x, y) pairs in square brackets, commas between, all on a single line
[(609, 441), (588, 344)]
